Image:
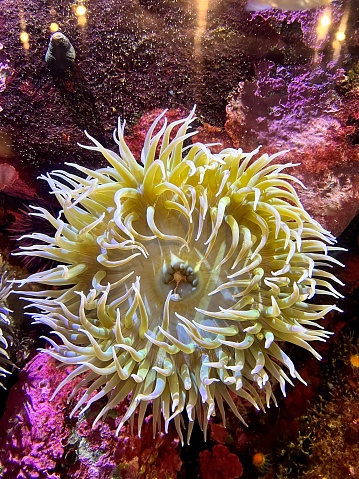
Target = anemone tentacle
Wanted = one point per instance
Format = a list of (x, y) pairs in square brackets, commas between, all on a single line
[(6, 336)]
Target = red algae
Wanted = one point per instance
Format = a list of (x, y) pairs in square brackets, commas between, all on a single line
[(220, 463), (12, 184), (218, 433)]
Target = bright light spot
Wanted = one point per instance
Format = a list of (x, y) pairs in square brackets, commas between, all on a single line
[(54, 27), (24, 37), (325, 20), (340, 36), (80, 10), (354, 360)]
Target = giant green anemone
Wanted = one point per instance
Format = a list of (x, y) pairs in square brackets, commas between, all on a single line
[(179, 281)]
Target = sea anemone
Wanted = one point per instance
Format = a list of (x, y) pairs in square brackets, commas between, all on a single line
[(261, 461), (5, 329), (179, 281)]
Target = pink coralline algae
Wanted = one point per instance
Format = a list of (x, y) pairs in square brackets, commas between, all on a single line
[(286, 106), (302, 25), (38, 440), (32, 430), (220, 463), (304, 110)]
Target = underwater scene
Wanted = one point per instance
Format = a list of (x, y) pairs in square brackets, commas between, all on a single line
[(179, 239)]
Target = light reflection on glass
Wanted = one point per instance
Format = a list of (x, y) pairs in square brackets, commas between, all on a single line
[(24, 39), (24, 36), (340, 36), (201, 26), (54, 27), (325, 20), (323, 25), (80, 12)]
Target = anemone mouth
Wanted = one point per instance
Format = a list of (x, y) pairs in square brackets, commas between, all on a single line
[(182, 276), (180, 280)]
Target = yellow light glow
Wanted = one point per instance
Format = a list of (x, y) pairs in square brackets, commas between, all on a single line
[(80, 10), (325, 20), (322, 31), (340, 36), (54, 27), (81, 21), (201, 26), (24, 37)]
